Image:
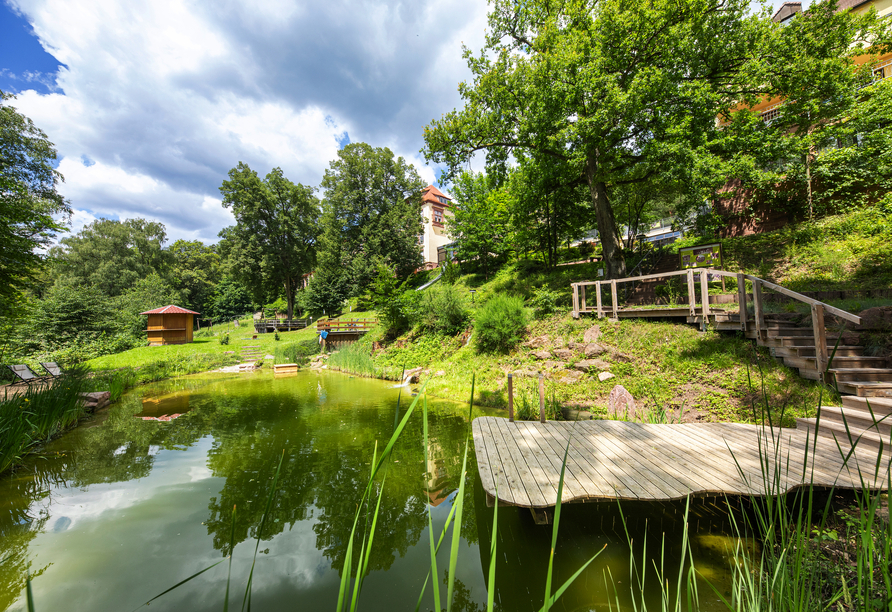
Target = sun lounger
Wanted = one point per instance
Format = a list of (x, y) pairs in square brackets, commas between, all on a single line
[(25, 375), (53, 368)]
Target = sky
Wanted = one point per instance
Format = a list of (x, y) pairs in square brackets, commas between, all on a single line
[(150, 104)]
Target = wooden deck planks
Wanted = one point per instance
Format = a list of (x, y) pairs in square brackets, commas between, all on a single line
[(614, 459)]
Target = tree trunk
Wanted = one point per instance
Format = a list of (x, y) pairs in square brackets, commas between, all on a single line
[(611, 241), (289, 296)]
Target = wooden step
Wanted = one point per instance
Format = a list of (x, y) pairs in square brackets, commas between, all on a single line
[(879, 405), (862, 374), (809, 351), (864, 439), (858, 420), (868, 364), (785, 332), (865, 388)]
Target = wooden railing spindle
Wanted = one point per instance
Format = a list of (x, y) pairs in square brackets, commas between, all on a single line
[(820, 333), (741, 300)]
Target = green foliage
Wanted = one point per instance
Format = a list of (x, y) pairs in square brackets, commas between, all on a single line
[(500, 324), (112, 256), (354, 358), (544, 302), (29, 203), (371, 214), (480, 220), (196, 270), (273, 243), (224, 338), (146, 294), (276, 336), (395, 305), (297, 352), (451, 273), (230, 300), (442, 309)]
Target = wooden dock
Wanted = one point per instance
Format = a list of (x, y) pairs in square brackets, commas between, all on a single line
[(638, 461)]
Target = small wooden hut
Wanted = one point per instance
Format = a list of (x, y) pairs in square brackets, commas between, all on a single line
[(170, 325)]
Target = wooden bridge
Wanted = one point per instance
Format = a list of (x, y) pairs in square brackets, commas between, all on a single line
[(636, 461), (343, 331), (264, 326)]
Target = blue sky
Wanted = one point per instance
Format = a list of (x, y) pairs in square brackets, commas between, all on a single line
[(150, 104)]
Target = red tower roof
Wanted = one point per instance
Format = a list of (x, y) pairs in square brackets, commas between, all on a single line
[(169, 310)]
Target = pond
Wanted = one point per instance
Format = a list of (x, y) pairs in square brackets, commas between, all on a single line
[(140, 498)]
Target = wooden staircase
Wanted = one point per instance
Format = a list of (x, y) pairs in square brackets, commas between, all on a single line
[(866, 382)]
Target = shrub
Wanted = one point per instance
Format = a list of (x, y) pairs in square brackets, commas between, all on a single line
[(297, 352), (224, 338), (442, 309), (451, 273), (544, 302), (500, 324)]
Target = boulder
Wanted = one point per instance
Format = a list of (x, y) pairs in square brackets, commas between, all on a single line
[(594, 349), (554, 365), (878, 318), (538, 342), (558, 342), (542, 355), (564, 354), (569, 377), (440, 373), (621, 403), (96, 400), (571, 414), (587, 364), (605, 376), (592, 334)]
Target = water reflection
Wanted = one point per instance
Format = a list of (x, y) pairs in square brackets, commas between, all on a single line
[(152, 503)]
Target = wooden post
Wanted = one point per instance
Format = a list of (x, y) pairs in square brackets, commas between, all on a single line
[(704, 296), (541, 398), (598, 297), (757, 307), (582, 306), (692, 296), (575, 312), (817, 323), (614, 298), (510, 397), (741, 300)]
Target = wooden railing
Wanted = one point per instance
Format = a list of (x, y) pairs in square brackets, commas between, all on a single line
[(344, 326), (818, 308)]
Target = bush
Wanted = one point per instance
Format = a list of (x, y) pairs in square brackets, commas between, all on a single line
[(442, 309), (451, 273), (544, 302), (297, 352), (224, 338), (500, 324)]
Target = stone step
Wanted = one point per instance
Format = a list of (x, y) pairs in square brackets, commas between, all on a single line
[(858, 420), (879, 405), (865, 388), (864, 439)]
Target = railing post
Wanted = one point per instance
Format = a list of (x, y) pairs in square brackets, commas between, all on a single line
[(541, 398), (510, 397), (692, 297), (820, 331), (598, 296), (741, 300), (615, 299), (582, 305), (575, 312), (757, 307), (704, 297)]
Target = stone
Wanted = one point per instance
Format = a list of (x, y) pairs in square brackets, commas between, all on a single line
[(878, 318), (576, 346), (542, 355), (96, 400), (571, 414), (593, 350), (526, 373), (538, 342), (270, 357), (558, 342), (620, 402), (588, 364), (564, 354), (592, 334), (569, 377), (440, 373), (553, 365), (605, 376)]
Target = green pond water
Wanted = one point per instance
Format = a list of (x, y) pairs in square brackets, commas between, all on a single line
[(123, 508)]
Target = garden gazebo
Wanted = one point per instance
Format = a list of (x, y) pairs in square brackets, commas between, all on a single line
[(170, 325)]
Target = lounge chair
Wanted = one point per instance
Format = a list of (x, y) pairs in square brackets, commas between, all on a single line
[(25, 375), (53, 368)]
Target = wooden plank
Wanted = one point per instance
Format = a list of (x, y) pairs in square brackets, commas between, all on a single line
[(704, 295), (550, 462), (575, 312), (820, 334), (503, 469), (598, 297), (692, 297), (585, 474), (811, 302), (582, 298), (614, 297), (484, 467), (609, 477), (525, 484), (741, 300), (546, 481), (757, 307)]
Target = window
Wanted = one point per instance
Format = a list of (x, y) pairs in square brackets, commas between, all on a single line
[(438, 216), (443, 200), (770, 115)]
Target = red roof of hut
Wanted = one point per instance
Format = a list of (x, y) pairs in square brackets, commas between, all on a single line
[(169, 310)]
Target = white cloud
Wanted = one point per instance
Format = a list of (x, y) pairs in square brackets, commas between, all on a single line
[(165, 97)]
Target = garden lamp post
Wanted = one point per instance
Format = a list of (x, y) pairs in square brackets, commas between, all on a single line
[(473, 291)]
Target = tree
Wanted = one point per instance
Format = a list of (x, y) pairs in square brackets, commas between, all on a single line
[(273, 243), (196, 271), (480, 224), (112, 256), (613, 89), (372, 215), (29, 202)]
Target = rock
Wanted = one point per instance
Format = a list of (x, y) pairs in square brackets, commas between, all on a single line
[(553, 365), (622, 357), (558, 342), (593, 350), (572, 414), (229, 352), (587, 364), (97, 400), (542, 355), (270, 357), (620, 402), (576, 346), (411, 376), (592, 334), (878, 318), (569, 377), (605, 376), (440, 373), (526, 373), (564, 354), (538, 342)]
